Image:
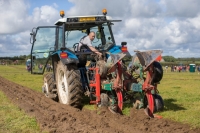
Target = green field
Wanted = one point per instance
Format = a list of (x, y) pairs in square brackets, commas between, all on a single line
[(180, 92), (181, 95), (13, 120)]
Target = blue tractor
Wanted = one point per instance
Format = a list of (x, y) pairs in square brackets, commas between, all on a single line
[(102, 79)]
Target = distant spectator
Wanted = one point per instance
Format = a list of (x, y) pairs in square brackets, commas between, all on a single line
[(188, 68), (28, 67), (166, 68), (48, 67), (184, 68), (198, 69), (40, 67), (179, 68), (172, 68)]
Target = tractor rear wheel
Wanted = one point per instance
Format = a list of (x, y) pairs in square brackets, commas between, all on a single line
[(68, 83)]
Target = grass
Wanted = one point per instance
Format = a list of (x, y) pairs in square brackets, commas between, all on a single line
[(180, 92), (19, 75), (13, 120)]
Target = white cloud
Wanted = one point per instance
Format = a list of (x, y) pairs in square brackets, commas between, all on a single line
[(12, 15), (92, 7), (144, 8), (15, 17), (145, 23), (15, 44), (44, 15), (183, 8), (16, 25)]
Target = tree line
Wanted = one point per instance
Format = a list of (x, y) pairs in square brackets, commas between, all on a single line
[(173, 59), (167, 60)]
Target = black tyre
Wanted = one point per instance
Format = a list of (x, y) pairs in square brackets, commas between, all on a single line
[(158, 72), (48, 87), (158, 103), (68, 83)]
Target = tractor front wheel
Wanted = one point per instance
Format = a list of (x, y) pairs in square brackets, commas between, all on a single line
[(48, 87), (68, 82)]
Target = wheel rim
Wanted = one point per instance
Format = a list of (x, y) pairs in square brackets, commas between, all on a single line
[(63, 87), (46, 88)]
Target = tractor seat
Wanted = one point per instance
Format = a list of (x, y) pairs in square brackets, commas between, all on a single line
[(83, 49)]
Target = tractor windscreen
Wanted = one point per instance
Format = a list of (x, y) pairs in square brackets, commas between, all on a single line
[(103, 36)]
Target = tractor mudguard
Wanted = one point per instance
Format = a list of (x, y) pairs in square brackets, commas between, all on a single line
[(116, 50), (69, 57)]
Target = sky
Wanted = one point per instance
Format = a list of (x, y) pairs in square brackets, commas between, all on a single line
[(170, 25)]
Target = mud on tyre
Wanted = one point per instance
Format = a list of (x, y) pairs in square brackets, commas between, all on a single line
[(68, 83)]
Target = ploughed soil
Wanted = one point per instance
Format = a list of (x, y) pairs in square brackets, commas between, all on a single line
[(57, 118)]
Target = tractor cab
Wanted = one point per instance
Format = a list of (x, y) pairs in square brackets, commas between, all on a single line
[(60, 42), (77, 27)]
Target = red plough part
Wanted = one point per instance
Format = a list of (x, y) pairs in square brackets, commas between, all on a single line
[(120, 100), (96, 84), (147, 87), (118, 86)]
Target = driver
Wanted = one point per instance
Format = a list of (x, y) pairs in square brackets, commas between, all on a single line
[(87, 40)]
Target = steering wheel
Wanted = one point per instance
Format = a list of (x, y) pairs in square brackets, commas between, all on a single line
[(99, 46), (75, 46), (108, 43)]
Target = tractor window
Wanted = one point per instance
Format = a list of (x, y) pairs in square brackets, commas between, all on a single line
[(44, 44), (60, 35), (73, 37), (105, 39), (45, 41)]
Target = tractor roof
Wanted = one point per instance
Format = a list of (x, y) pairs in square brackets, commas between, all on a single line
[(80, 20)]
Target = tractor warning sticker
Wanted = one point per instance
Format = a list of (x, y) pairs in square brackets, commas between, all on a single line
[(46, 55)]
